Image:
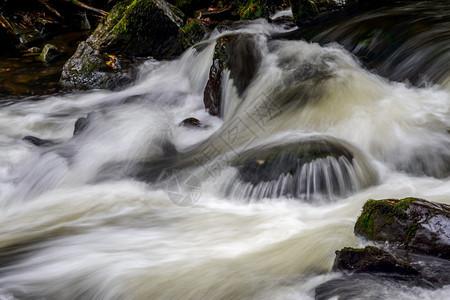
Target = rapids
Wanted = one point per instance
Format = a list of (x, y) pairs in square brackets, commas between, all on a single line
[(94, 216)]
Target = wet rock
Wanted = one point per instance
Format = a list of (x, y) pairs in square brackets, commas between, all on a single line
[(82, 123), (306, 10), (239, 54), (301, 170), (252, 9), (370, 260), (49, 53), (83, 21), (34, 50), (132, 28), (38, 142), (189, 6), (192, 33), (412, 224), (191, 122), (221, 14), (139, 28), (89, 68)]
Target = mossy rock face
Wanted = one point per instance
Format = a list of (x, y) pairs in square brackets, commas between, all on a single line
[(132, 28), (139, 27), (192, 33), (239, 54), (413, 224), (306, 10), (370, 260), (88, 68)]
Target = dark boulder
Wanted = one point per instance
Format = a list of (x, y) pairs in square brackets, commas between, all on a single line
[(191, 122), (132, 28), (416, 225), (239, 54), (38, 142), (82, 123), (370, 260), (302, 170)]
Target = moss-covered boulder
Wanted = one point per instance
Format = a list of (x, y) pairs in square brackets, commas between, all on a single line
[(412, 224), (192, 33), (139, 27), (237, 53), (132, 28), (370, 260), (306, 10)]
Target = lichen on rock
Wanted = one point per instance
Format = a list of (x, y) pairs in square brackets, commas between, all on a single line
[(412, 224)]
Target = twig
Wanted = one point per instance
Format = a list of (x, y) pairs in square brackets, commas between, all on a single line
[(85, 6), (44, 2)]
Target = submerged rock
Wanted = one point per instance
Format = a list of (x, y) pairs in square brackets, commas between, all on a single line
[(82, 123), (132, 28), (38, 142), (413, 224), (301, 170), (371, 260), (240, 55)]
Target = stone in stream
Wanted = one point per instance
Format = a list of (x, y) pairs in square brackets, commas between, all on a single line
[(371, 260), (49, 53), (191, 122), (302, 170), (412, 224), (82, 123), (133, 28), (38, 142), (238, 53)]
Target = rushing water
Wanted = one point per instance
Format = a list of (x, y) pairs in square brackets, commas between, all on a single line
[(93, 215)]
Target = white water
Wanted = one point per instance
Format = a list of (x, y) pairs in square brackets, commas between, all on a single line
[(70, 231)]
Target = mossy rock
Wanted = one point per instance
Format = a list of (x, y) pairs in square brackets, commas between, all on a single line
[(49, 54), (251, 10), (371, 260), (132, 28), (139, 27), (413, 224), (88, 68), (192, 33), (306, 10)]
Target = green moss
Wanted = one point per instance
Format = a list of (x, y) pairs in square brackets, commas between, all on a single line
[(191, 33), (404, 203), (250, 10), (387, 210)]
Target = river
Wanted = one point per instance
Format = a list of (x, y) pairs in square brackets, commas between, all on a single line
[(101, 215)]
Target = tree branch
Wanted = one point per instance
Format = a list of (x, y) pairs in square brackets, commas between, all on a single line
[(85, 6)]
